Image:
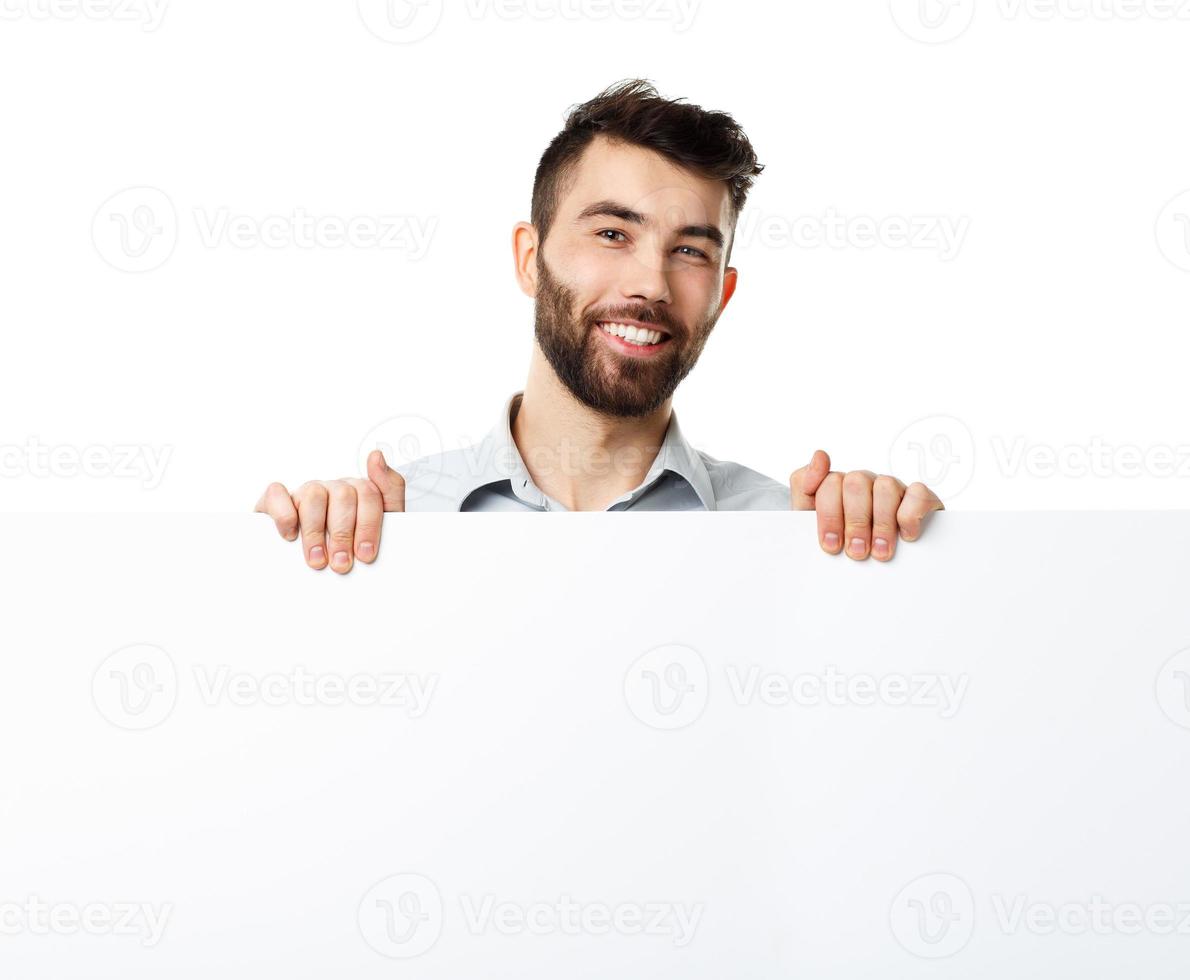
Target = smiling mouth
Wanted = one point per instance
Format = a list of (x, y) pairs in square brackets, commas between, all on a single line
[(636, 336)]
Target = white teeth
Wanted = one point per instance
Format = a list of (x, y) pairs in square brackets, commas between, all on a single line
[(634, 335)]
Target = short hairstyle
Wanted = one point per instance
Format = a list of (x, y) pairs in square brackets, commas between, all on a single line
[(708, 143)]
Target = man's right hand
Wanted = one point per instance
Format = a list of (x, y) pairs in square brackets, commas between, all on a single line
[(339, 518)]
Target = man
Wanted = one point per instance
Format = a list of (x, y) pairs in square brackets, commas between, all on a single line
[(634, 211)]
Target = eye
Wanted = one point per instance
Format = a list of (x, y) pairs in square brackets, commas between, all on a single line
[(611, 231), (695, 252)]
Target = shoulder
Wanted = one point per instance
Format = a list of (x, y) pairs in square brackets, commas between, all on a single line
[(738, 487)]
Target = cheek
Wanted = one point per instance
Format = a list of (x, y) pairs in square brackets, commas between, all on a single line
[(697, 293), (592, 275), (574, 261)]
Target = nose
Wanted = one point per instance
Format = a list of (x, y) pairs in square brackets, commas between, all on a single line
[(646, 281)]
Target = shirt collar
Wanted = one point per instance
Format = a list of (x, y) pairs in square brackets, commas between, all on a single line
[(499, 459)]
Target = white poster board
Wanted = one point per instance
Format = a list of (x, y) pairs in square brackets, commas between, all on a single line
[(584, 745)]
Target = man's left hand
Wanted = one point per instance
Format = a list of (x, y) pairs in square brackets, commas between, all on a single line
[(860, 508)]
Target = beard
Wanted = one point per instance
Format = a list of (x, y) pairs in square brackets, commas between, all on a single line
[(612, 384)]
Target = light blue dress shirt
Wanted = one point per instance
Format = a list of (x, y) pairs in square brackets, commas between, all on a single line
[(492, 476)]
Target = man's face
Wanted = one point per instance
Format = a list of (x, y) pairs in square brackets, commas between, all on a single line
[(634, 239)]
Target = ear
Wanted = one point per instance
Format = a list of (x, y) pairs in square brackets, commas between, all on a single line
[(524, 255), (729, 283)]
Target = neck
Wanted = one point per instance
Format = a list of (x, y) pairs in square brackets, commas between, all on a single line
[(581, 458)]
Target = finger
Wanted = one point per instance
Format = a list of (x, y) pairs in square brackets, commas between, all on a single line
[(918, 502), (340, 525), (887, 492), (389, 482), (828, 502), (857, 512), (804, 482), (276, 502), (369, 518), (311, 500)]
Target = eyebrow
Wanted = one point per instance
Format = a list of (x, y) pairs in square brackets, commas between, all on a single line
[(613, 209)]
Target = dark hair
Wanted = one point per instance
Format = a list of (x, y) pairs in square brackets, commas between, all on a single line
[(711, 144)]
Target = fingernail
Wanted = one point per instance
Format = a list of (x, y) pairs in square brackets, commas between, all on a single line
[(317, 555), (341, 559), (880, 548), (367, 550), (831, 540), (857, 546)]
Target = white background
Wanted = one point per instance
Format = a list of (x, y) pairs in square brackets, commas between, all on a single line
[(1054, 134)]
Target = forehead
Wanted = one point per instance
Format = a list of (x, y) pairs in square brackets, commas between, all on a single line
[(645, 181)]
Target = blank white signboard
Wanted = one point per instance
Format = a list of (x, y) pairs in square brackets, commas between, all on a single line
[(640, 745)]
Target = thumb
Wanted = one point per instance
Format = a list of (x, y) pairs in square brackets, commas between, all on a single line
[(804, 482), (390, 483)]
